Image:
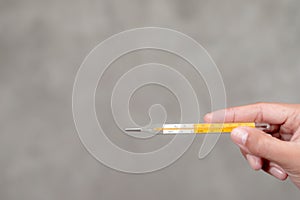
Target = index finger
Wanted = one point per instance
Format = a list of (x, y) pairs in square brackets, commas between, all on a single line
[(259, 112)]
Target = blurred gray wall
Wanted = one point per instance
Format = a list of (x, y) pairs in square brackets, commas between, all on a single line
[(255, 44)]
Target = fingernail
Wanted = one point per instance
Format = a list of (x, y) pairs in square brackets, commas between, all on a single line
[(208, 117), (254, 161), (216, 116), (239, 136), (277, 173)]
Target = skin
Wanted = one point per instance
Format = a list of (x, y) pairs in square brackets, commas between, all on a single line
[(277, 152)]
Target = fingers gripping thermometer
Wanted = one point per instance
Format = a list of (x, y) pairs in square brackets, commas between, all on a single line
[(203, 128)]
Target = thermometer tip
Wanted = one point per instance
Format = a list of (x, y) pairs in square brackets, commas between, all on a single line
[(133, 129)]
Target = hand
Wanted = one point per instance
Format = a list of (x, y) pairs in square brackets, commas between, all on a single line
[(278, 155)]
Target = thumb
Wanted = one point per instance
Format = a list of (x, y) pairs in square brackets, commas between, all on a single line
[(260, 144)]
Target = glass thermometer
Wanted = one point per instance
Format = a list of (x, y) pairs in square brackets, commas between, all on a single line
[(202, 128)]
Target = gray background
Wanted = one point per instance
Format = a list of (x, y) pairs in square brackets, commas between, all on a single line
[(256, 45)]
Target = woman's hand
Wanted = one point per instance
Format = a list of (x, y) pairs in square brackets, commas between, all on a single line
[(278, 155)]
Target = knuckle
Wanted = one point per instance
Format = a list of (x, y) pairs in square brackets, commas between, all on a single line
[(261, 103), (257, 146)]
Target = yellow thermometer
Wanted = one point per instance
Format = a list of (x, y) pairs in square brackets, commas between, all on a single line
[(199, 128)]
